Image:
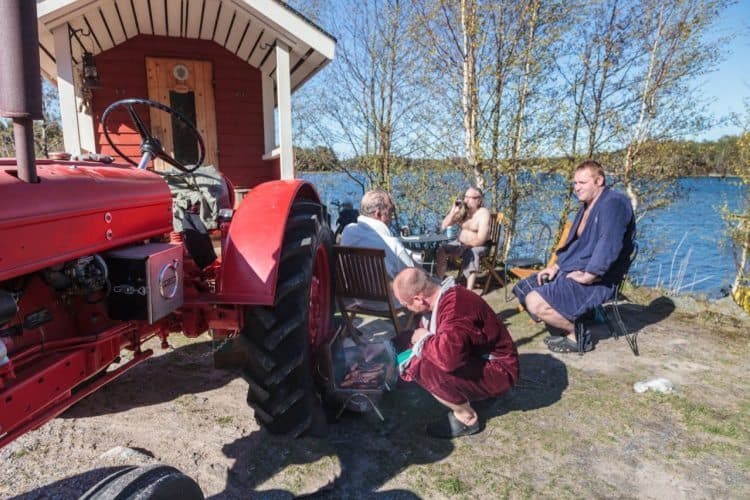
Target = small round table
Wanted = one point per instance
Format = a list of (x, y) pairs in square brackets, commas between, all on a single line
[(428, 243), (424, 241)]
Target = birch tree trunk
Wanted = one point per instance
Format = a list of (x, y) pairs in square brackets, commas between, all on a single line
[(647, 98), (741, 285), (469, 92), (527, 58), (499, 86)]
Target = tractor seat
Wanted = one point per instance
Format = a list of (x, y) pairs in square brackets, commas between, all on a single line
[(197, 198)]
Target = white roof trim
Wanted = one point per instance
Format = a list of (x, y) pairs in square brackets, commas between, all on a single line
[(244, 27), (274, 12)]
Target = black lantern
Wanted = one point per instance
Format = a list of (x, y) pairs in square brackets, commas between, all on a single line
[(90, 74)]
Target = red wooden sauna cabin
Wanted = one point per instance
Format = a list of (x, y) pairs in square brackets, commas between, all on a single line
[(231, 65)]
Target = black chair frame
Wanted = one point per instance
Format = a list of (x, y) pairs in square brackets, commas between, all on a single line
[(615, 326)]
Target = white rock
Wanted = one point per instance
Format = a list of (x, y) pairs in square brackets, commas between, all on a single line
[(125, 453), (659, 384)]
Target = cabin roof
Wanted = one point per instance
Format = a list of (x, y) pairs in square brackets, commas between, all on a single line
[(248, 28)]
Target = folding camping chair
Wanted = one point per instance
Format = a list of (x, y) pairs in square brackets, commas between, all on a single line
[(615, 324)]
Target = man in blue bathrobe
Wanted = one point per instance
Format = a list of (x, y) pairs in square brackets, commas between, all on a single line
[(590, 264)]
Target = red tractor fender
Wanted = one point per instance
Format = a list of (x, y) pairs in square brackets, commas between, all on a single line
[(251, 254)]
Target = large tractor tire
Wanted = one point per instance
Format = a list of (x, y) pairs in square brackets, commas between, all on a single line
[(151, 482), (283, 341)]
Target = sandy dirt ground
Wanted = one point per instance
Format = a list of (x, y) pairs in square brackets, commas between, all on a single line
[(573, 427)]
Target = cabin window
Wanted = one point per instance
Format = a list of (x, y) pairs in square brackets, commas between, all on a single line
[(183, 139)]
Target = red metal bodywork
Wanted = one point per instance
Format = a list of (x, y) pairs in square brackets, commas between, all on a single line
[(251, 253), (76, 209)]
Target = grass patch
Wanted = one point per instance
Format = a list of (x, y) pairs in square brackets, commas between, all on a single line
[(712, 449), (519, 487), (439, 481), (223, 420), (188, 402), (728, 326), (555, 441), (700, 416), (451, 486), (714, 433)]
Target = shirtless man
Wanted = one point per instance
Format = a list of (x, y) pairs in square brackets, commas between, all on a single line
[(472, 240)]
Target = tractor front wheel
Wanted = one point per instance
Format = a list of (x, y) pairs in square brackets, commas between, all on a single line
[(283, 341), (151, 482)]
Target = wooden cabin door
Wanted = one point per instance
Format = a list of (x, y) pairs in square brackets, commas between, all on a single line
[(187, 86)]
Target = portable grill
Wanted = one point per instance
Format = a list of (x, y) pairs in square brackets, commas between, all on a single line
[(353, 382)]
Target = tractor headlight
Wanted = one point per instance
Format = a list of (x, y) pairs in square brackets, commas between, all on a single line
[(225, 215)]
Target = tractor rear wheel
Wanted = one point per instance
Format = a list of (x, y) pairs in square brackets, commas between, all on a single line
[(283, 341)]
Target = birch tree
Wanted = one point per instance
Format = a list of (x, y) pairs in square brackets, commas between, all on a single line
[(368, 101), (470, 29), (740, 223), (673, 51), (528, 68), (505, 43), (453, 37), (522, 100)]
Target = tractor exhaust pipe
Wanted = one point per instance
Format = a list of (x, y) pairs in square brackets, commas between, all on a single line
[(20, 79)]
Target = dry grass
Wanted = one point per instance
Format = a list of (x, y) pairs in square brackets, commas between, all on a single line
[(572, 428)]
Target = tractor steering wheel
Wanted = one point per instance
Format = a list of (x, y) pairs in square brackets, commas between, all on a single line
[(151, 147)]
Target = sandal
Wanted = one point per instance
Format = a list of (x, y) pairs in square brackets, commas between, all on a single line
[(451, 427), (584, 344), (553, 339)]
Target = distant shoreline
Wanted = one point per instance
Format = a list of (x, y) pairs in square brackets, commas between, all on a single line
[(696, 176)]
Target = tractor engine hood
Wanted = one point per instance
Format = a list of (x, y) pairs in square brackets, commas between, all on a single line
[(77, 208)]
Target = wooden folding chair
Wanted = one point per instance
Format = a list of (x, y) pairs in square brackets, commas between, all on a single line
[(363, 287), (526, 266), (490, 260)]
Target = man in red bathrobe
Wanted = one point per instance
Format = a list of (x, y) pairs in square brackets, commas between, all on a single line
[(462, 354)]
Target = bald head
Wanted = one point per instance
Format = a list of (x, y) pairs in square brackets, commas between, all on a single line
[(414, 282)]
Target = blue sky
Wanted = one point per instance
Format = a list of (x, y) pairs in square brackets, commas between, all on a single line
[(730, 84)]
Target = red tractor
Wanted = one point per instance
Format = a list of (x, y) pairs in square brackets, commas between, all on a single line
[(91, 264)]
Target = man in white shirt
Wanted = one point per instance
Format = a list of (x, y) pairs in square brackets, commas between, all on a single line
[(371, 231)]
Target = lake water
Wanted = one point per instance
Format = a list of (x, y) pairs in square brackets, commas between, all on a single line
[(684, 247)]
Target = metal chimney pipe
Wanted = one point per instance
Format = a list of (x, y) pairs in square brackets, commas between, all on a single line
[(20, 79)]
